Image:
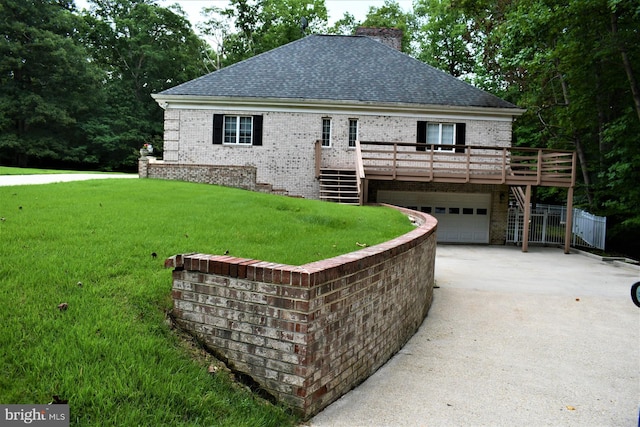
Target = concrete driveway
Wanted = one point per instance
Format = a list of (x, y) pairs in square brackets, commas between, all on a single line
[(6, 180), (536, 339)]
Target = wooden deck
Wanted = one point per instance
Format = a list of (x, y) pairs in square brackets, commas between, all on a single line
[(514, 166), (466, 164)]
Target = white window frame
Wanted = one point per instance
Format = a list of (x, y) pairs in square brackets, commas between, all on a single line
[(236, 132), (352, 144), (439, 145), (326, 136)]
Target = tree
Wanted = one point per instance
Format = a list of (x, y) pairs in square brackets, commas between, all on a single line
[(572, 67), (391, 15), (444, 38), (143, 49), (345, 26), (248, 28), (48, 86)]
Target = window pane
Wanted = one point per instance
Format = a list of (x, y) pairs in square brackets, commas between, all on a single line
[(454, 211), (447, 134), (353, 132), (433, 133), (480, 211), (230, 130), (245, 130), (326, 132), (440, 210), (425, 209), (467, 211)]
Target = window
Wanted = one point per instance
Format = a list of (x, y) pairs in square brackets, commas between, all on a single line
[(443, 136), (237, 130), (353, 132), (326, 132)]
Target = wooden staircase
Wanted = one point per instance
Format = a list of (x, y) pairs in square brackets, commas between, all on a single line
[(339, 185), (517, 194)]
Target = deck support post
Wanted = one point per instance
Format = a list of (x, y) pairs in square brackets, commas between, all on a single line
[(527, 218), (365, 191), (569, 224)]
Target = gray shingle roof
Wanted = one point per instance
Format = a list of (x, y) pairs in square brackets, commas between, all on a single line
[(344, 68)]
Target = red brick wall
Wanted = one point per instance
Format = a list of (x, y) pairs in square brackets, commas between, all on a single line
[(308, 334)]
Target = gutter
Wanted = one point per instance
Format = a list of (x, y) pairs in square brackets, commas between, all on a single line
[(326, 106)]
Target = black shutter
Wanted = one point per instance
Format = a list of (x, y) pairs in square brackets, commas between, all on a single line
[(421, 136), (461, 130), (218, 119), (257, 130)]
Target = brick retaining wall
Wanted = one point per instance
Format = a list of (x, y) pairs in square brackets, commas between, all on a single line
[(229, 176), (308, 334)]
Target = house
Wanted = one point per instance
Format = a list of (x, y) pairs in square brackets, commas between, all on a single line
[(352, 119)]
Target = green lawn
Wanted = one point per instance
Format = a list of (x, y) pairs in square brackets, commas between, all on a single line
[(112, 353)]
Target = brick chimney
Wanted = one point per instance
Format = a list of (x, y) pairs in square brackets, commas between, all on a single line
[(391, 37)]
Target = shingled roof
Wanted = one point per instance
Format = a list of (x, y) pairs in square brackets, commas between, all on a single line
[(343, 68)]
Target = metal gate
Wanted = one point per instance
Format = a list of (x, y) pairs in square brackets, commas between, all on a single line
[(547, 227)]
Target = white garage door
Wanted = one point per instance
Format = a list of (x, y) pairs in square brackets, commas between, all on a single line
[(462, 217)]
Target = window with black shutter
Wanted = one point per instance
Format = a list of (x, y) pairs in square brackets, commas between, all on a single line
[(237, 130), (443, 136)]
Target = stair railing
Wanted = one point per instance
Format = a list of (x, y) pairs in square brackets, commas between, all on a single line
[(359, 172)]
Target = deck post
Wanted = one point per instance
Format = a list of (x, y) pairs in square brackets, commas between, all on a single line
[(318, 157), (569, 224), (364, 197), (527, 217)]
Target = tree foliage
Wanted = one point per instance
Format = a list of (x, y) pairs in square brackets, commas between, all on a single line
[(391, 15), (142, 49), (76, 87), (48, 86), (250, 27), (573, 66), (444, 39)]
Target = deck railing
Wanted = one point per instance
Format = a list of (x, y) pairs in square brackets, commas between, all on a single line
[(466, 164)]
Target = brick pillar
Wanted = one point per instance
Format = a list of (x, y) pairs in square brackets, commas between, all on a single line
[(143, 166)]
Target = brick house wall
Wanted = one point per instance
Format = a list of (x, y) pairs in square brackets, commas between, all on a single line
[(286, 159), (308, 334)]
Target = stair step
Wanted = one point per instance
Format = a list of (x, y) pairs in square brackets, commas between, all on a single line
[(339, 185)]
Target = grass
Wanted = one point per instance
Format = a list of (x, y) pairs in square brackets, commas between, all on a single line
[(112, 353)]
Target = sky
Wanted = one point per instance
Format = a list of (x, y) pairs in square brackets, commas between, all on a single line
[(335, 8)]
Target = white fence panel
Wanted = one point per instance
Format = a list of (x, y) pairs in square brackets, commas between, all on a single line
[(547, 227)]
